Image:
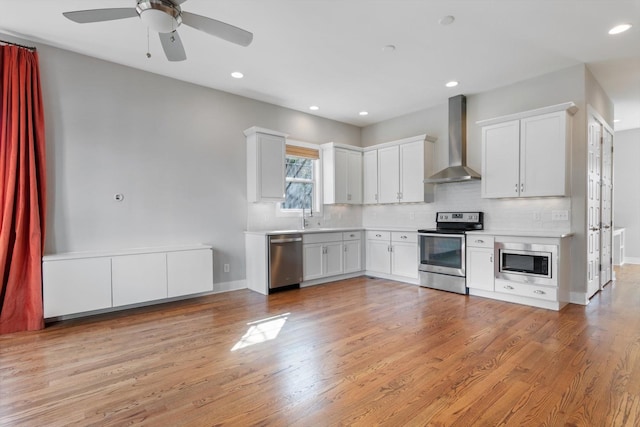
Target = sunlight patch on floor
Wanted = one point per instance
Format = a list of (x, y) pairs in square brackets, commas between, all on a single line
[(261, 331)]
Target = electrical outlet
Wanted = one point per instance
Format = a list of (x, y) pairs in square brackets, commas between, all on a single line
[(412, 216), (560, 215), (226, 268), (536, 216)]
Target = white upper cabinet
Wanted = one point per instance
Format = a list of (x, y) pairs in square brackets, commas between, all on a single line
[(402, 168), (265, 165), (525, 155), (342, 174), (370, 177)]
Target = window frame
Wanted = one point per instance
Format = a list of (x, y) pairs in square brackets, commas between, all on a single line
[(317, 183)]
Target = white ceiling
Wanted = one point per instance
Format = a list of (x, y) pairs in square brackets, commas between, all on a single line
[(330, 52)]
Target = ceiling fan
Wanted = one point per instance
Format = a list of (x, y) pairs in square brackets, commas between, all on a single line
[(165, 16)]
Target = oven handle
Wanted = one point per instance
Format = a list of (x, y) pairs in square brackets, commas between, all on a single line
[(460, 236)]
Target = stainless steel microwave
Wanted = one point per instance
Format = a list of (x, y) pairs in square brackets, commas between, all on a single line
[(527, 263)]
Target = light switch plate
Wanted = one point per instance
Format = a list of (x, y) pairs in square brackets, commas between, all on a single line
[(560, 215)]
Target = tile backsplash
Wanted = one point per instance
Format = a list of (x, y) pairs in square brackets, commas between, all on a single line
[(499, 214)]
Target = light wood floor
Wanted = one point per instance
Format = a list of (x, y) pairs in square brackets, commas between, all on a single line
[(357, 352)]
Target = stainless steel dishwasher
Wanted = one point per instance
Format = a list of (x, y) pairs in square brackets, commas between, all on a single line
[(285, 260)]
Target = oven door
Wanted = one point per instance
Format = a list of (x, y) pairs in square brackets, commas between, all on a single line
[(442, 253)]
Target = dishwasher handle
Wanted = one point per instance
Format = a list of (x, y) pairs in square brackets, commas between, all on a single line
[(292, 239)]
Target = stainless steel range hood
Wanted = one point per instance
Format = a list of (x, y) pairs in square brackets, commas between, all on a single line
[(458, 170)]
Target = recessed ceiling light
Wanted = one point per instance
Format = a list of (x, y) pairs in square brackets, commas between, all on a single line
[(314, 108), (237, 75), (388, 48), (363, 113), (452, 83), (616, 120), (446, 20), (619, 29)]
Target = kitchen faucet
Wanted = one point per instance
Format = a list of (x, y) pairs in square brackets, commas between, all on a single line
[(304, 221)]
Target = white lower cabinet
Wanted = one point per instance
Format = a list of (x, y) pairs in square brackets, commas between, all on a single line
[(78, 283), (138, 278), (480, 262), (392, 253), (189, 272), (331, 254)]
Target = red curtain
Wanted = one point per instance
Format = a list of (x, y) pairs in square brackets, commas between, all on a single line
[(22, 190)]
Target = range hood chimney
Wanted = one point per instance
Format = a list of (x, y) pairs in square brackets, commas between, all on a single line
[(457, 170)]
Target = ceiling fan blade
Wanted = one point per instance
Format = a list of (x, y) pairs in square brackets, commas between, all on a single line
[(99, 15), (218, 28), (172, 46)]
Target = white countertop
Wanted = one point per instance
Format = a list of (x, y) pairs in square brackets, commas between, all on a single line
[(328, 230), (523, 233), (119, 252)]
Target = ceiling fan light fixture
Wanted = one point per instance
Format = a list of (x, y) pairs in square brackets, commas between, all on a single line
[(159, 15)]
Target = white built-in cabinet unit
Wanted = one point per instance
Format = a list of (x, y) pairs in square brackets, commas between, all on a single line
[(81, 282), (527, 154), (331, 254), (394, 172), (265, 165), (480, 262), (392, 254), (342, 174)]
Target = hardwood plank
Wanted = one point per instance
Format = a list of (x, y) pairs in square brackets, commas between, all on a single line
[(356, 352)]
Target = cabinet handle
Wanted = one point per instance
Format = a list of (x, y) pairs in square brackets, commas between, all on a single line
[(522, 188), (490, 258), (375, 197), (352, 235), (539, 292), (479, 241), (400, 195), (345, 248), (516, 187), (390, 248), (508, 287), (348, 196), (378, 235), (403, 237)]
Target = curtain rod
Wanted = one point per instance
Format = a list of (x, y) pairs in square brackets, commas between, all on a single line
[(31, 48)]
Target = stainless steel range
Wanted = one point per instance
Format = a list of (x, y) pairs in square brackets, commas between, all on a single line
[(442, 250)]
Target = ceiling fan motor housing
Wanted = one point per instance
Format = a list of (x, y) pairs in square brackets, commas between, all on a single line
[(160, 15)]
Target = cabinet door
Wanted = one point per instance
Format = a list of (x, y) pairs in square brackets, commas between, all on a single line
[(388, 174), (378, 258), (76, 285), (312, 261), (412, 172), (480, 268), (271, 168), (543, 155), (333, 256), (404, 259), (501, 160), (352, 256), (138, 278), (189, 272), (341, 178), (370, 177), (354, 177)]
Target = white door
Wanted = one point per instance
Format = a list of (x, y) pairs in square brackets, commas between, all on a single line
[(370, 175), (378, 258), (593, 207), (354, 178), (543, 155), (312, 261), (352, 256), (341, 178), (412, 172), (606, 222), (404, 259), (480, 274), (189, 272), (138, 278), (501, 160), (388, 174), (333, 257), (271, 167)]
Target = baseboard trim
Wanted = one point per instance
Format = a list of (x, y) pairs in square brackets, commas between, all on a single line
[(631, 260), (579, 298), (234, 285)]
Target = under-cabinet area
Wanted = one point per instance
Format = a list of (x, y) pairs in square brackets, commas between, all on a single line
[(525, 269), (84, 282)]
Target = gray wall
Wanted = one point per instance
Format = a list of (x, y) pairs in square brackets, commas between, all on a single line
[(626, 197), (175, 150)]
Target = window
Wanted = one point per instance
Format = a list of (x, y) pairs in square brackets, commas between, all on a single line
[(302, 172)]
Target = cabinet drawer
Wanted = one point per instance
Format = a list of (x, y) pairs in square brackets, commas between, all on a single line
[(321, 237), (531, 291), (378, 235), (403, 236), (480, 241), (352, 235)]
